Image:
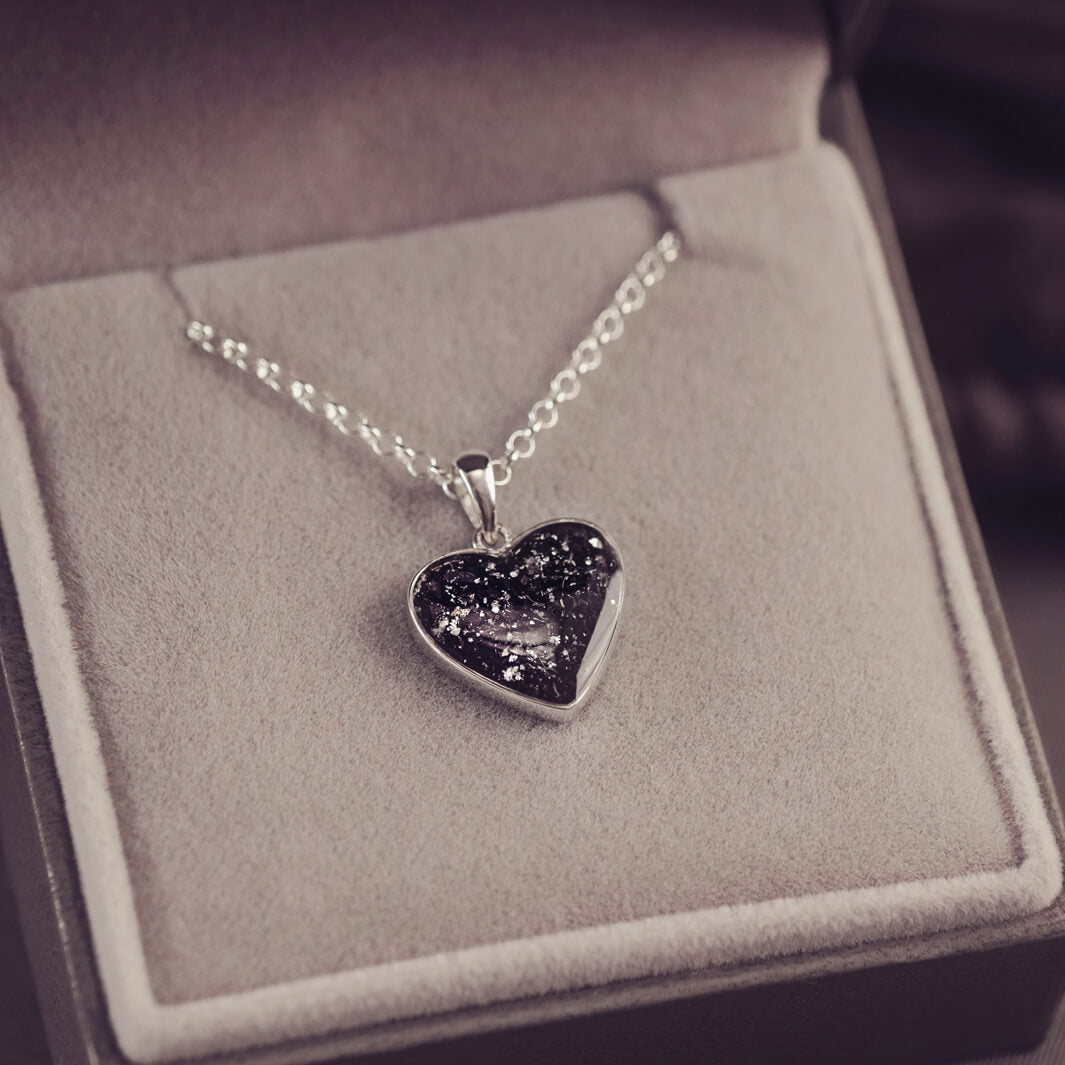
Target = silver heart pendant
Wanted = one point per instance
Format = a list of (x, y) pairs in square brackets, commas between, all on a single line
[(529, 620)]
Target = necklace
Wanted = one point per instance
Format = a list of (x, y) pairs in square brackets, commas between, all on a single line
[(530, 618)]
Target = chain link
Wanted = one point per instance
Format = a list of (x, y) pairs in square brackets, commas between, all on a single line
[(630, 297)]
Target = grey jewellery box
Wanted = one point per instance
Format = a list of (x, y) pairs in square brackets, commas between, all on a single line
[(250, 815)]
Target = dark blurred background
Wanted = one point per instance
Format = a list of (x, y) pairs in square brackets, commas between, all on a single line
[(966, 101)]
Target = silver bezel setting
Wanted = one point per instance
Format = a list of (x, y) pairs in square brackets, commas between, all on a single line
[(557, 712)]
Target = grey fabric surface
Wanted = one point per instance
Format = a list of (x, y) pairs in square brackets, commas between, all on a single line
[(92, 216), (145, 134), (839, 617), (1030, 573)]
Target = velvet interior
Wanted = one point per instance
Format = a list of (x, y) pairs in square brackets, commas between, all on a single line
[(143, 134), (802, 738)]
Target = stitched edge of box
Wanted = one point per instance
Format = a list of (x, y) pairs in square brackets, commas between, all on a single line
[(149, 1032)]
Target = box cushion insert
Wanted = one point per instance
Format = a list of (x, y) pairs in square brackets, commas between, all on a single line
[(138, 136), (287, 821)]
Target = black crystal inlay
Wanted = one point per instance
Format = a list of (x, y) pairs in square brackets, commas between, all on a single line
[(527, 617)]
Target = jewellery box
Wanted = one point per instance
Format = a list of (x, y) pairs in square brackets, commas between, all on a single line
[(805, 816)]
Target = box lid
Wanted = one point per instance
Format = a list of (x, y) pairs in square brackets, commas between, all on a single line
[(149, 135)]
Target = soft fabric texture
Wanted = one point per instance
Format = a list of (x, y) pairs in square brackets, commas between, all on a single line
[(138, 135), (803, 738)]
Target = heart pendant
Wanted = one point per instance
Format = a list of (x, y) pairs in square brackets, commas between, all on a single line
[(530, 620)]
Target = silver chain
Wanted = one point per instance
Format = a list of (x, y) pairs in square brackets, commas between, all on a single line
[(565, 386)]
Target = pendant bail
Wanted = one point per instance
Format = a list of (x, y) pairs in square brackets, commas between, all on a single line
[(475, 486)]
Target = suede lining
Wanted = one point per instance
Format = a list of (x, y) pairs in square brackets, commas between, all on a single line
[(318, 830), (136, 135)]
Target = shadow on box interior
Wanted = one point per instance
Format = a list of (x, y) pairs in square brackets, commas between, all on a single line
[(897, 1001)]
